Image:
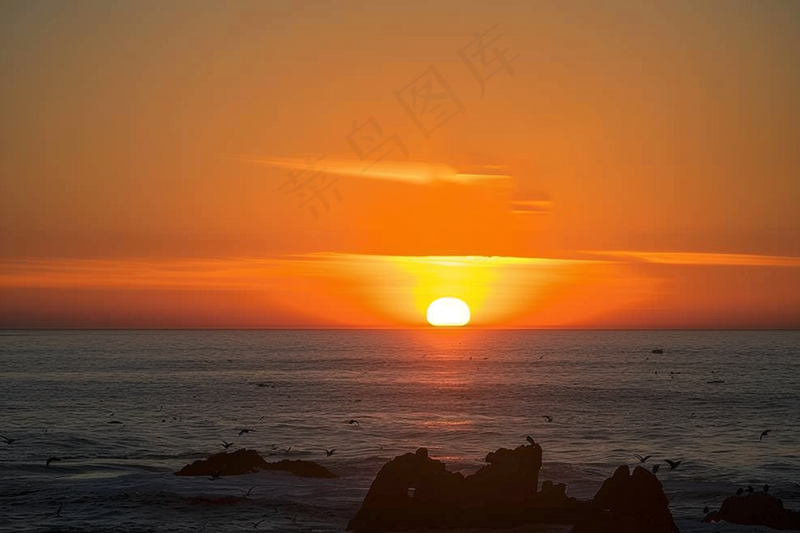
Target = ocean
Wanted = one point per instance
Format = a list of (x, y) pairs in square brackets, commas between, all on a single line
[(461, 393)]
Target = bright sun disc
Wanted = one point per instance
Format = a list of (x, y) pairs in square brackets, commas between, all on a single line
[(448, 312)]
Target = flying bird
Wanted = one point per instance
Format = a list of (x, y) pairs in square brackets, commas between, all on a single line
[(642, 459), (764, 434), (243, 431), (58, 513), (353, 421), (114, 422), (8, 440), (655, 468), (548, 418), (673, 464), (50, 460), (287, 450), (246, 494), (530, 439), (328, 453), (226, 445)]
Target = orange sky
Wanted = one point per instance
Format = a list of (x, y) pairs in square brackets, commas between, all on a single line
[(639, 169)]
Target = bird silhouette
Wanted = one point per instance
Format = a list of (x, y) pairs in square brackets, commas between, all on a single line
[(655, 468), (706, 509), (58, 512), (328, 453), (8, 440), (548, 418), (114, 422), (739, 491), (642, 459), (226, 445), (750, 489), (287, 450), (530, 439), (243, 431), (766, 488), (673, 464), (50, 460), (764, 434), (353, 421), (246, 494)]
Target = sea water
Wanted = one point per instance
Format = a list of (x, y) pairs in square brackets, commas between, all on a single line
[(459, 392)]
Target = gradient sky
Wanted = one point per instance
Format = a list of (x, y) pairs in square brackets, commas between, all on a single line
[(639, 169)]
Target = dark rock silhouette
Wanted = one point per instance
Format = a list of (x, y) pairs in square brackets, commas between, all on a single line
[(414, 491), (249, 462), (301, 468), (629, 503), (755, 509)]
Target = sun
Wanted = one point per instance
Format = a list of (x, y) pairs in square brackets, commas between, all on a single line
[(448, 312)]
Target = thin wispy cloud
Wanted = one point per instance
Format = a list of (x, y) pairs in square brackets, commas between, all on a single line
[(702, 258), (407, 172)]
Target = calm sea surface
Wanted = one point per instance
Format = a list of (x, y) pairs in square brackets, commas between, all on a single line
[(460, 393)]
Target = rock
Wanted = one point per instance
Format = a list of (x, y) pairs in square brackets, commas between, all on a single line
[(301, 468), (755, 509), (414, 491), (629, 503), (249, 462)]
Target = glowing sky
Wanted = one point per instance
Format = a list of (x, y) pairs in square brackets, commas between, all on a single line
[(639, 169)]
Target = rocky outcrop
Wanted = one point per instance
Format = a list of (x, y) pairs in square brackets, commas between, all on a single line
[(415, 491), (249, 462), (629, 503), (756, 509), (301, 468)]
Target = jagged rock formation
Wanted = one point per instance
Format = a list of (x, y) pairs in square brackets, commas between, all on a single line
[(414, 491), (249, 462), (629, 503), (756, 509)]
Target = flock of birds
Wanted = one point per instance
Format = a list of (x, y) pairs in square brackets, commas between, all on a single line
[(672, 464)]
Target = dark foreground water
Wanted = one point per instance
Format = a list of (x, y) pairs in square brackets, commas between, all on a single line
[(461, 393)]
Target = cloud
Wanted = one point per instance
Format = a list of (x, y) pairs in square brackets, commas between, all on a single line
[(407, 172), (531, 207), (702, 258)]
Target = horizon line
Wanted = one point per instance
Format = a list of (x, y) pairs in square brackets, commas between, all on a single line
[(383, 328)]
